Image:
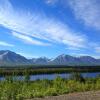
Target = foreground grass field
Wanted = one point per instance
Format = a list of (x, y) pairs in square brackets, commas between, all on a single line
[(12, 89)]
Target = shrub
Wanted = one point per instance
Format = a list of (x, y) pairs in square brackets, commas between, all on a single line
[(77, 77)]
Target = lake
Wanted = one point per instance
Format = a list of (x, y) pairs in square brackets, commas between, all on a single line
[(63, 75), (53, 76)]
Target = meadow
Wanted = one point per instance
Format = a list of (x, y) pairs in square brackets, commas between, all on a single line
[(13, 89)]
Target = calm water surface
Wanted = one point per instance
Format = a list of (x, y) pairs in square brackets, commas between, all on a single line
[(53, 76), (63, 75)]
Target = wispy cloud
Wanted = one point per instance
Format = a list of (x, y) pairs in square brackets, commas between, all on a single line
[(73, 48), (97, 49), (51, 2), (28, 39), (2, 43), (38, 26), (88, 11), (29, 56), (85, 54)]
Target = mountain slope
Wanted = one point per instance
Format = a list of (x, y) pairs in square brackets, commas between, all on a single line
[(70, 60), (64, 60), (41, 60), (10, 58)]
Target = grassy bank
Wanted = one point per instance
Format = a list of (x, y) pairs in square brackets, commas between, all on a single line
[(12, 89)]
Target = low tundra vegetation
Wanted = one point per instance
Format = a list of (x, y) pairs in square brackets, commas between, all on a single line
[(13, 89)]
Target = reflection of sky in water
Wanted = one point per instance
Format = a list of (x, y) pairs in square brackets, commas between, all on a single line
[(48, 76), (53, 76)]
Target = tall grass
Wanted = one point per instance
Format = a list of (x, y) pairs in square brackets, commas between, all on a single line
[(13, 89)]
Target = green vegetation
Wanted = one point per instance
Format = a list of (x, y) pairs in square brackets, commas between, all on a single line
[(13, 89), (46, 69)]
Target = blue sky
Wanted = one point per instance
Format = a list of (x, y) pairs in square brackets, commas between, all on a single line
[(48, 28)]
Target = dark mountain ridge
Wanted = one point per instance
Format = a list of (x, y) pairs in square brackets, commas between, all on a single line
[(11, 58)]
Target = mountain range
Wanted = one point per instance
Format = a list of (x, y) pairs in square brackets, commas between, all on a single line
[(11, 58)]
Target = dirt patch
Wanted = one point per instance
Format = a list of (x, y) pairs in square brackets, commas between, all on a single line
[(92, 95)]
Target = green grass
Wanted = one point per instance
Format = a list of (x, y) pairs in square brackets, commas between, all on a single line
[(12, 89)]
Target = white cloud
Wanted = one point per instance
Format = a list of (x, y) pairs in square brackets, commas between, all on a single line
[(97, 49), (88, 11), (29, 56), (85, 54), (51, 2), (38, 26), (28, 39), (2, 43), (73, 48)]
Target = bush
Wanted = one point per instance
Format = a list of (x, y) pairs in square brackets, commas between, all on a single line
[(77, 77), (51, 92)]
